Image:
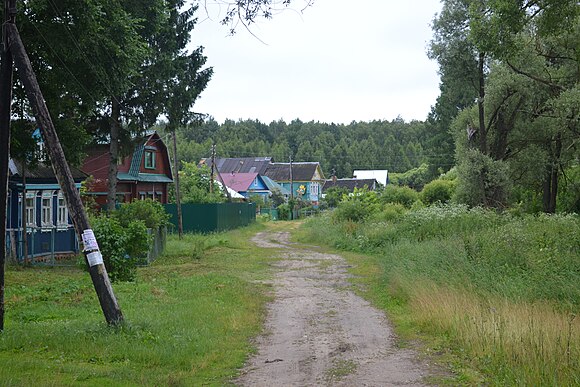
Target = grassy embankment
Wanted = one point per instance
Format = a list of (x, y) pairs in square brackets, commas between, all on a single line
[(189, 317), (497, 295)]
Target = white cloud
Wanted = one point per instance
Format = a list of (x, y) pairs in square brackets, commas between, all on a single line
[(334, 63)]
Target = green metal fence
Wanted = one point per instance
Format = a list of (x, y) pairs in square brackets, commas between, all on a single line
[(212, 217)]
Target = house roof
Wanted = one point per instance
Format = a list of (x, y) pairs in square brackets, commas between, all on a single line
[(301, 171), (41, 171), (145, 177), (240, 165), (134, 171), (273, 186), (382, 175), (239, 182), (98, 161), (350, 184), (233, 194)]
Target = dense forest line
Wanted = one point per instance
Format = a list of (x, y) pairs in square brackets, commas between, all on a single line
[(396, 145)]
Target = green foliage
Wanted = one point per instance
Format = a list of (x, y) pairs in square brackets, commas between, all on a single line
[(333, 196), (569, 197), (82, 52), (389, 212), (195, 185), (258, 200), (438, 191), (482, 181), (402, 195), (277, 198), (284, 211), (122, 246), (149, 211), (351, 211), (358, 206), (415, 178), (529, 257)]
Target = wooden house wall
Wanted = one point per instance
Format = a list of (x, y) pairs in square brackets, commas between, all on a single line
[(42, 240), (161, 159)]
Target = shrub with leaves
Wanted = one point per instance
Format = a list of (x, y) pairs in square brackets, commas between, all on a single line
[(402, 195), (123, 247), (482, 181), (357, 206), (149, 211), (415, 178), (334, 195), (438, 191)]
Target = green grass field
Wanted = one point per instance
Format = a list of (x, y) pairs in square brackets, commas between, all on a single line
[(189, 319), (496, 297)]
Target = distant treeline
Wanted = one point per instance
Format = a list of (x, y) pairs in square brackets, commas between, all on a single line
[(394, 145)]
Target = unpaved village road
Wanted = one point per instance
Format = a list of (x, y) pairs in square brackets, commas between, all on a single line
[(319, 333)]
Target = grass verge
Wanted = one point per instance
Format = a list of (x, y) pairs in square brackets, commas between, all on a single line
[(493, 296), (189, 319)]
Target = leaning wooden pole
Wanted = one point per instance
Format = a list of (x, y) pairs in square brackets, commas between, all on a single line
[(5, 108), (77, 212)]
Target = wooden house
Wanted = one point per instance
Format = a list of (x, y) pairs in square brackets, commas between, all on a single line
[(49, 230), (145, 173), (307, 178), (303, 179), (249, 184)]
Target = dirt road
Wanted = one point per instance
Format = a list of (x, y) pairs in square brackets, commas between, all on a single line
[(319, 333)]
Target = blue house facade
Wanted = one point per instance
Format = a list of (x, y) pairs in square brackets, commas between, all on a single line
[(304, 179), (37, 209)]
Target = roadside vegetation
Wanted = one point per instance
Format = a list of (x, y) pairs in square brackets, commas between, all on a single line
[(189, 318), (497, 293)]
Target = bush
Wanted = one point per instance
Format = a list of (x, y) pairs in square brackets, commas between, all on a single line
[(334, 195), (482, 181), (414, 178), (402, 195), (149, 211), (357, 206), (390, 212), (122, 247), (438, 191), (284, 211), (350, 211)]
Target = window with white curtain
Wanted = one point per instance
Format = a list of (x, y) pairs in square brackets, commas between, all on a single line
[(46, 208), (62, 214), (31, 209)]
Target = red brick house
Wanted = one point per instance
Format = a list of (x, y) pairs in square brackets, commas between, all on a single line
[(146, 173)]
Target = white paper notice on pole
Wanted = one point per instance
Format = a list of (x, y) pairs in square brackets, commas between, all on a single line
[(95, 258), (89, 240)]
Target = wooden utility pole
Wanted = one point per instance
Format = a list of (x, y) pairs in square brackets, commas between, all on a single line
[(61, 169), (211, 181), (177, 191), (291, 180), (291, 191), (113, 154), (5, 109)]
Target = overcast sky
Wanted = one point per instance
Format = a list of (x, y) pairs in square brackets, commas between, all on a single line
[(333, 62)]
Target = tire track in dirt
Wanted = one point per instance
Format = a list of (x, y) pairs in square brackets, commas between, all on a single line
[(319, 333)]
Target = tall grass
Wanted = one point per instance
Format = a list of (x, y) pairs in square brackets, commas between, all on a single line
[(503, 290), (515, 343)]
